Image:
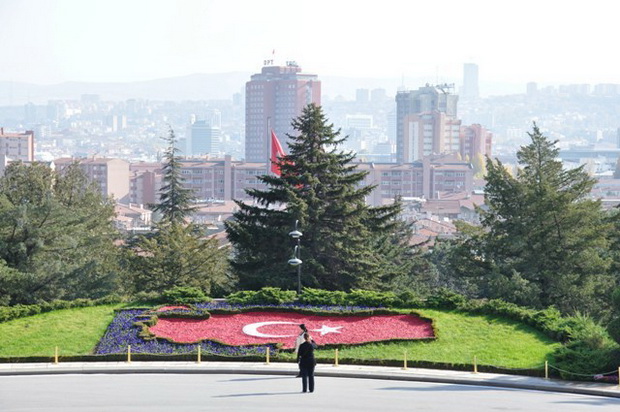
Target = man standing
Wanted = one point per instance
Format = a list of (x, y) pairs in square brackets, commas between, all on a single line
[(305, 358), (300, 339)]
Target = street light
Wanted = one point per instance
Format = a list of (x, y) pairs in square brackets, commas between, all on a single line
[(295, 260)]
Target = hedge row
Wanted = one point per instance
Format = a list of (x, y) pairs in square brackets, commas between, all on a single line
[(19, 311), (549, 321)]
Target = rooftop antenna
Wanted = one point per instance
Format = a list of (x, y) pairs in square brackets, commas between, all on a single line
[(269, 62)]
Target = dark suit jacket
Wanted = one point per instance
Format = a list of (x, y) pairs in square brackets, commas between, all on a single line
[(305, 355)]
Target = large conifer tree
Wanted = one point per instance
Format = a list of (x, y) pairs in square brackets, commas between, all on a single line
[(543, 240), (177, 253), (346, 244), (56, 235), (175, 200)]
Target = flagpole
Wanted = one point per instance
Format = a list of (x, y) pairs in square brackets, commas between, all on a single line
[(269, 148)]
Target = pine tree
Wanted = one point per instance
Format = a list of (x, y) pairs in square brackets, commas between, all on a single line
[(177, 253), (175, 199), (56, 235), (544, 241), (345, 242)]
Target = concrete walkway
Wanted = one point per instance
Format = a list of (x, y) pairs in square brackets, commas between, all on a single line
[(345, 371)]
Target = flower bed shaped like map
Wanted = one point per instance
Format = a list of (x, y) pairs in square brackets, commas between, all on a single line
[(250, 332)]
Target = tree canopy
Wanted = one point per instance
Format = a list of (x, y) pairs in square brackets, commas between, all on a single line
[(56, 235), (177, 253), (345, 244), (543, 241)]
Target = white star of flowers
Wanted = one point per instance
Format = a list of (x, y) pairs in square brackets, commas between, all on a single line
[(328, 329)]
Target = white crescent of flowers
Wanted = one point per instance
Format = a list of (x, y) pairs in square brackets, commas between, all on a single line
[(252, 329)]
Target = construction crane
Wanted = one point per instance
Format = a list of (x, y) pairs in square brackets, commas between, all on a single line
[(445, 88)]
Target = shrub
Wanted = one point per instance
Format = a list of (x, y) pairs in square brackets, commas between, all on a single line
[(358, 297), (445, 299), (613, 328), (60, 304), (589, 352), (183, 295), (274, 296), (147, 297), (320, 297), (242, 297), (409, 299), (578, 361)]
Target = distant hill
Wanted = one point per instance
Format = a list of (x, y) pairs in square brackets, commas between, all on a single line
[(191, 87)]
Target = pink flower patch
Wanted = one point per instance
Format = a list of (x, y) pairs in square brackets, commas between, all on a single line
[(256, 328)]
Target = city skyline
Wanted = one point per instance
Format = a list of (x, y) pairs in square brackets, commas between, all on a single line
[(54, 41)]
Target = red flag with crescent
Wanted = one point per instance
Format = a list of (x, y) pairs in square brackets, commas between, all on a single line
[(276, 154), (256, 328)]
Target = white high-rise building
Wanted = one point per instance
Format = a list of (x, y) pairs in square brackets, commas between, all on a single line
[(470, 81)]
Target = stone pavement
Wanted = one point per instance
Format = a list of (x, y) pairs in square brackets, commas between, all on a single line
[(345, 371)]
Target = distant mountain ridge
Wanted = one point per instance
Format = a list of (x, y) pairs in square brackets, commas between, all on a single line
[(216, 86), (191, 87)]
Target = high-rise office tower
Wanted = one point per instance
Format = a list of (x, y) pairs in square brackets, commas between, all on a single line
[(205, 138), (470, 81), (273, 98), (426, 123)]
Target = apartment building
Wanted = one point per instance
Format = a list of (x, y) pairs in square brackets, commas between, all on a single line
[(112, 175), (427, 178), (427, 124), (17, 146)]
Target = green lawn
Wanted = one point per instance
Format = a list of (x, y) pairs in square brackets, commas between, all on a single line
[(75, 332), (460, 337), (494, 341)]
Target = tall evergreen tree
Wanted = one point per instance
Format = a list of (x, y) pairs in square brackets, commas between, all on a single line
[(56, 235), (175, 201), (345, 244), (177, 253), (543, 241)]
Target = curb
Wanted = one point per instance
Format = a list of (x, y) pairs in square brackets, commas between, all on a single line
[(323, 370)]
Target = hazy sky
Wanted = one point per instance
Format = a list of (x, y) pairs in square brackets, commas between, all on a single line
[(548, 41)]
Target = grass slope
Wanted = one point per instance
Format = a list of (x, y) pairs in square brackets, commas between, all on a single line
[(460, 337), (494, 341), (75, 332)]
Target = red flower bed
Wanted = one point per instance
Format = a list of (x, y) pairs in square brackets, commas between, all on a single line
[(283, 327)]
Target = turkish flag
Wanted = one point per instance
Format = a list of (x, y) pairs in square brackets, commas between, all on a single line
[(276, 153), (255, 328)]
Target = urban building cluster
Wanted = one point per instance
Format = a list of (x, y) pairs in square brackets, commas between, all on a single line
[(414, 145)]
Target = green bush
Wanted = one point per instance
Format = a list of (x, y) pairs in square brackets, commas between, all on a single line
[(577, 361), (147, 297), (409, 299), (19, 311), (242, 297), (264, 296), (613, 328), (322, 297), (183, 295), (274, 296), (359, 297), (445, 299)]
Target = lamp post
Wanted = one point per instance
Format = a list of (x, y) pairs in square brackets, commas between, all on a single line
[(295, 260)]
